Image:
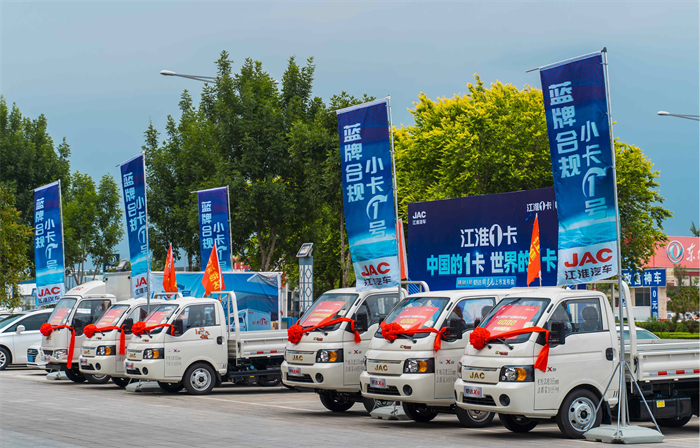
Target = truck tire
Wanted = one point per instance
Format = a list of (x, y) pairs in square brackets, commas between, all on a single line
[(269, 381), (517, 423), (673, 422), (418, 412), (577, 413), (334, 403), (5, 358), (96, 379), (171, 388), (121, 382), (474, 419), (74, 375), (199, 379)]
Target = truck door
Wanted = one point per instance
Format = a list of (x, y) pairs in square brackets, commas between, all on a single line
[(202, 338), (582, 359), (447, 358)]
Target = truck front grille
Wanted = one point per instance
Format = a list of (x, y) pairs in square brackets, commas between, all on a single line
[(390, 390), (486, 401)]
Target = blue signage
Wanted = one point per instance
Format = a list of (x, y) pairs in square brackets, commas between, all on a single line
[(368, 194), (48, 245), (214, 226), (481, 241), (655, 302), (134, 185), (648, 277), (575, 104)]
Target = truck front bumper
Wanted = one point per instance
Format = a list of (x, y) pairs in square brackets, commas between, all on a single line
[(503, 397), (147, 369), (326, 376), (410, 387), (102, 365)]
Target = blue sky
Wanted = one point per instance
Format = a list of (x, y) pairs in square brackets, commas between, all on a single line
[(92, 68)]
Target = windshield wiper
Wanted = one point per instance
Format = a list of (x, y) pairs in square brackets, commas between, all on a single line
[(503, 341), (405, 336)]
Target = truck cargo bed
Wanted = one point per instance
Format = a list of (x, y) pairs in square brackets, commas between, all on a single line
[(665, 359), (251, 344)]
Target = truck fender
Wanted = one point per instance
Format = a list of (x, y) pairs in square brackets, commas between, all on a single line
[(607, 413)]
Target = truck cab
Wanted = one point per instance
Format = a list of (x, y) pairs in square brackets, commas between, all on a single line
[(583, 355), (328, 360), (81, 306), (409, 369), (100, 354)]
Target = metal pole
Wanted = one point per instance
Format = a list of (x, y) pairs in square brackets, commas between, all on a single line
[(63, 236), (148, 254), (230, 238), (396, 185)]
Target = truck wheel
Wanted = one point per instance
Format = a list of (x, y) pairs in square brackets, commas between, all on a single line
[(96, 379), (474, 419), (335, 403), (673, 422), (74, 376), (517, 423), (199, 379), (121, 382), (5, 358), (418, 412), (269, 381), (577, 413), (171, 388)]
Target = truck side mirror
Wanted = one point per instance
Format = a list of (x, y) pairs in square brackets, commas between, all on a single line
[(454, 328), (128, 323), (557, 333), (78, 326), (361, 324), (477, 322), (178, 328), (20, 329)]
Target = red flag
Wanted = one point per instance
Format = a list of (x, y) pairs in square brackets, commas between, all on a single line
[(213, 280), (169, 280), (534, 268)]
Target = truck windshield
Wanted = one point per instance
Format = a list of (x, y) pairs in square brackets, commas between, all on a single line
[(326, 308), (417, 312), (62, 311), (160, 315), (513, 314), (111, 316)]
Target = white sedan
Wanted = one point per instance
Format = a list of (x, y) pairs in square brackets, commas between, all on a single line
[(18, 333)]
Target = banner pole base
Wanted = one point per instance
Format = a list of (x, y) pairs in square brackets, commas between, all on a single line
[(624, 434)]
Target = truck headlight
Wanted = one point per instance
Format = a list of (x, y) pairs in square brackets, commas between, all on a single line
[(419, 366), (152, 353), (60, 353), (329, 356), (106, 350), (519, 374)]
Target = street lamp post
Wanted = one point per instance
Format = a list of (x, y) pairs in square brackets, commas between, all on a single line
[(663, 113), (195, 77)]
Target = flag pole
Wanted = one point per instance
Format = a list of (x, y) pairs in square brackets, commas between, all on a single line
[(396, 185), (148, 248)]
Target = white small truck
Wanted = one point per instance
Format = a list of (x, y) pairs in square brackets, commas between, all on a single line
[(584, 351), (199, 350), (81, 306), (327, 359), (409, 369), (100, 354)]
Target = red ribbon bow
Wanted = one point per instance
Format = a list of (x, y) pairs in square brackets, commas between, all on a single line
[(392, 331), (296, 331), (481, 336), (46, 329), (140, 328), (91, 329)]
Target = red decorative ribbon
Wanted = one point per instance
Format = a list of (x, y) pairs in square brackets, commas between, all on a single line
[(481, 336), (92, 329), (140, 328), (296, 331), (46, 329), (392, 331)]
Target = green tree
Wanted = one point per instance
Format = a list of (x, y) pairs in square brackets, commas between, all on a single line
[(694, 230), (14, 238), (495, 141), (685, 295)]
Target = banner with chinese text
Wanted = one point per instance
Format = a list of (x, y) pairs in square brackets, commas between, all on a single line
[(368, 194), (48, 245), (134, 188), (214, 226), (576, 108)]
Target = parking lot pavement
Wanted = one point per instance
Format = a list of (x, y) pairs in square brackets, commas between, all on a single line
[(36, 412)]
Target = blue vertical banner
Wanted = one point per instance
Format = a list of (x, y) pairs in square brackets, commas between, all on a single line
[(48, 245), (134, 184), (368, 194), (655, 302), (576, 107), (214, 226)]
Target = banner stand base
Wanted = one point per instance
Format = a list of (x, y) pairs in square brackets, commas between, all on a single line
[(392, 412), (624, 434)]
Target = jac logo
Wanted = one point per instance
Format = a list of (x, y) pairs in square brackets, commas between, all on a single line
[(382, 268), (381, 367), (477, 375), (141, 282), (49, 291), (551, 369), (602, 256), (297, 358), (418, 215)]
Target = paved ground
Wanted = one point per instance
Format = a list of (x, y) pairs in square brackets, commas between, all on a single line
[(36, 412)]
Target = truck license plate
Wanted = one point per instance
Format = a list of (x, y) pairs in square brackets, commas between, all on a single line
[(47, 359), (30, 358), (83, 362), (379, 383), (473, 392), (294, 371), (130, 365)]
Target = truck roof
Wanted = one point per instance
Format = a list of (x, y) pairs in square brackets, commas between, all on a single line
[(142, 301), (459, 293), (353, 291), (555, 293)]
